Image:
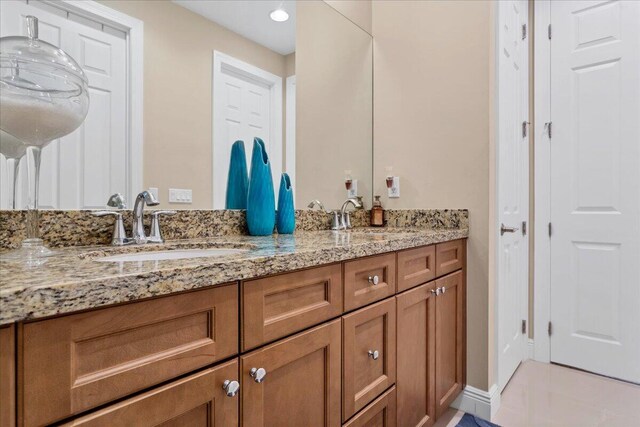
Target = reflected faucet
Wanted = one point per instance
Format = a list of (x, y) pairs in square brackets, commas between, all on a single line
[(344, 219), (138, 227), (318, 203)]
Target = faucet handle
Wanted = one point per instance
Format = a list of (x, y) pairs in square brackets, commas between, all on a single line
[(155, 235), (119, 237), (117, 201)]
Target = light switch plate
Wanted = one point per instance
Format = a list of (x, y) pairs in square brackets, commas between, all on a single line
[(353, 191), (180, 195), (394, 191)]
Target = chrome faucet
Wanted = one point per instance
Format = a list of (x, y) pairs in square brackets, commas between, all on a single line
[(139, 235), (342, 219), (318, 203)]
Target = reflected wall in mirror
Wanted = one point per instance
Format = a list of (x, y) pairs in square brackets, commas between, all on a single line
[(214, 72)]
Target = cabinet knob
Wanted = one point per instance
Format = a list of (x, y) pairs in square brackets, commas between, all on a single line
[(231, 387), (374, 280), (373, 354), (442, 290), (435, 291), (258, 374)]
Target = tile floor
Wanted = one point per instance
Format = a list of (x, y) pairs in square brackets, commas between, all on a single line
[(545, 395)]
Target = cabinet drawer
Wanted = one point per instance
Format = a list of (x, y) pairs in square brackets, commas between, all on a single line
[(416, 266), (77, 362), (359, 285), (301, 381), (197, 400), (449, 257), (369, 355), (277, 306), (380, 412)]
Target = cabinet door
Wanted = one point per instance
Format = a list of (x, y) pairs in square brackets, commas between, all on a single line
[(379, 413), (7, 376), (449, 340), (415, 380), (301, 381), (369, 355), (198, 400)]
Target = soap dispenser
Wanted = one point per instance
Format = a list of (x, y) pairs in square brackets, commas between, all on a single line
[(377, 213)]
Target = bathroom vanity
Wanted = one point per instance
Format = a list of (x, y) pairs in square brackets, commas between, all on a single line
[(317, 328)]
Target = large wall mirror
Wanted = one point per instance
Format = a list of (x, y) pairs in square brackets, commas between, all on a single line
[(213, 72)]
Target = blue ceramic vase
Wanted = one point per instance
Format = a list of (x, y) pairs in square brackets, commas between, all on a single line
[(285, 217), (238, 178), (261, 213)]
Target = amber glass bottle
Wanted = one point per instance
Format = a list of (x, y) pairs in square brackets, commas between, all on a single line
[(377, 213)]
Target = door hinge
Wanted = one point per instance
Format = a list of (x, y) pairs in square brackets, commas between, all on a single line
[(524, 31), (550, 329), (549, 31), (524, 128), (550, 230), (524, 228), (524, 326), (548, 127)]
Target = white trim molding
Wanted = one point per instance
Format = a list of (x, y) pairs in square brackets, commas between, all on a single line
[(483, 404), (134, 28)]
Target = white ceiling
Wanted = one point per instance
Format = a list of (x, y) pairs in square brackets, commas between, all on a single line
[(250, 18)]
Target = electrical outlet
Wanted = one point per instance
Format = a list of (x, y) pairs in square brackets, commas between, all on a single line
[(394, 190), (352, 193), (180, 195)]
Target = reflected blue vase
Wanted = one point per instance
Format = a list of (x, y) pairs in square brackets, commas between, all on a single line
[(238, 178), (285, 217), (261, 213)]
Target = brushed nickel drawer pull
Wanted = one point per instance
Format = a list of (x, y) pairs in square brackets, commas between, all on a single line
[(374, 280), (374, 354)]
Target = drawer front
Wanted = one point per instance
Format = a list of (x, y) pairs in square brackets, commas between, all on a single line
[(197, 400), (379, 413), (277, 306), (369, 355), (449, 257), (359, 290), (77, 362), (416, 266)]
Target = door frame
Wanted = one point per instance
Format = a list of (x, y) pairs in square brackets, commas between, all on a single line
[(222, 61), (290, 164), (542, 183), (134, 28)]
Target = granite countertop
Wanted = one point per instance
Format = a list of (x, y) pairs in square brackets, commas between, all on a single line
[(74, 280)]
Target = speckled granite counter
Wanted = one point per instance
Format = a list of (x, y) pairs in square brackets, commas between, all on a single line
[(74, 280)]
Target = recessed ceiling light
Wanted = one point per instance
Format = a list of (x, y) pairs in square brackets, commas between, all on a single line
[(279, 15)]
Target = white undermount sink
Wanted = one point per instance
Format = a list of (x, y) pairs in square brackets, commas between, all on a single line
[(171, 254)]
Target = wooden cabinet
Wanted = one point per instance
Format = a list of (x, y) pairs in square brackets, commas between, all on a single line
[(450, 256), (7, 376), (274, 307), (369, 355), (416, 266), (77, 362), (301, 385), (449, 345), (416, 356), (367, 280), (379, 413), (198, 400)]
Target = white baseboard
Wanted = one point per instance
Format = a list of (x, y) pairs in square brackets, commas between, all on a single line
[(483, 404), (531, 349)]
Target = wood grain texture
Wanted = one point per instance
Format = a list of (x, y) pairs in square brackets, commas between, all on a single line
[(77, 362), (416, 266), (449, 340), (195, 401), (274, 307), (302, 385), (8, 376), (363, 378), (415, 380), (379, 413), (450, 256), (358, 291)]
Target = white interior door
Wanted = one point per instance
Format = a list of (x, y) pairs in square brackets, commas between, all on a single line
[(82, 169), (290, 167), (595, 186), (247, 103), (513, 184)]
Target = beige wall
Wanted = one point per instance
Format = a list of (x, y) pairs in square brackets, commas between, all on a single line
[(358, 11), (334, 105), (178, 49), (432, 107)]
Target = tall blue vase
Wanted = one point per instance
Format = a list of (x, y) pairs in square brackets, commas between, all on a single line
[(285, 217), (238, 178), (261, 213)]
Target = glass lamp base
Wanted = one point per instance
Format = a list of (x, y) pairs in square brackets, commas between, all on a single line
[(32, 252)]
